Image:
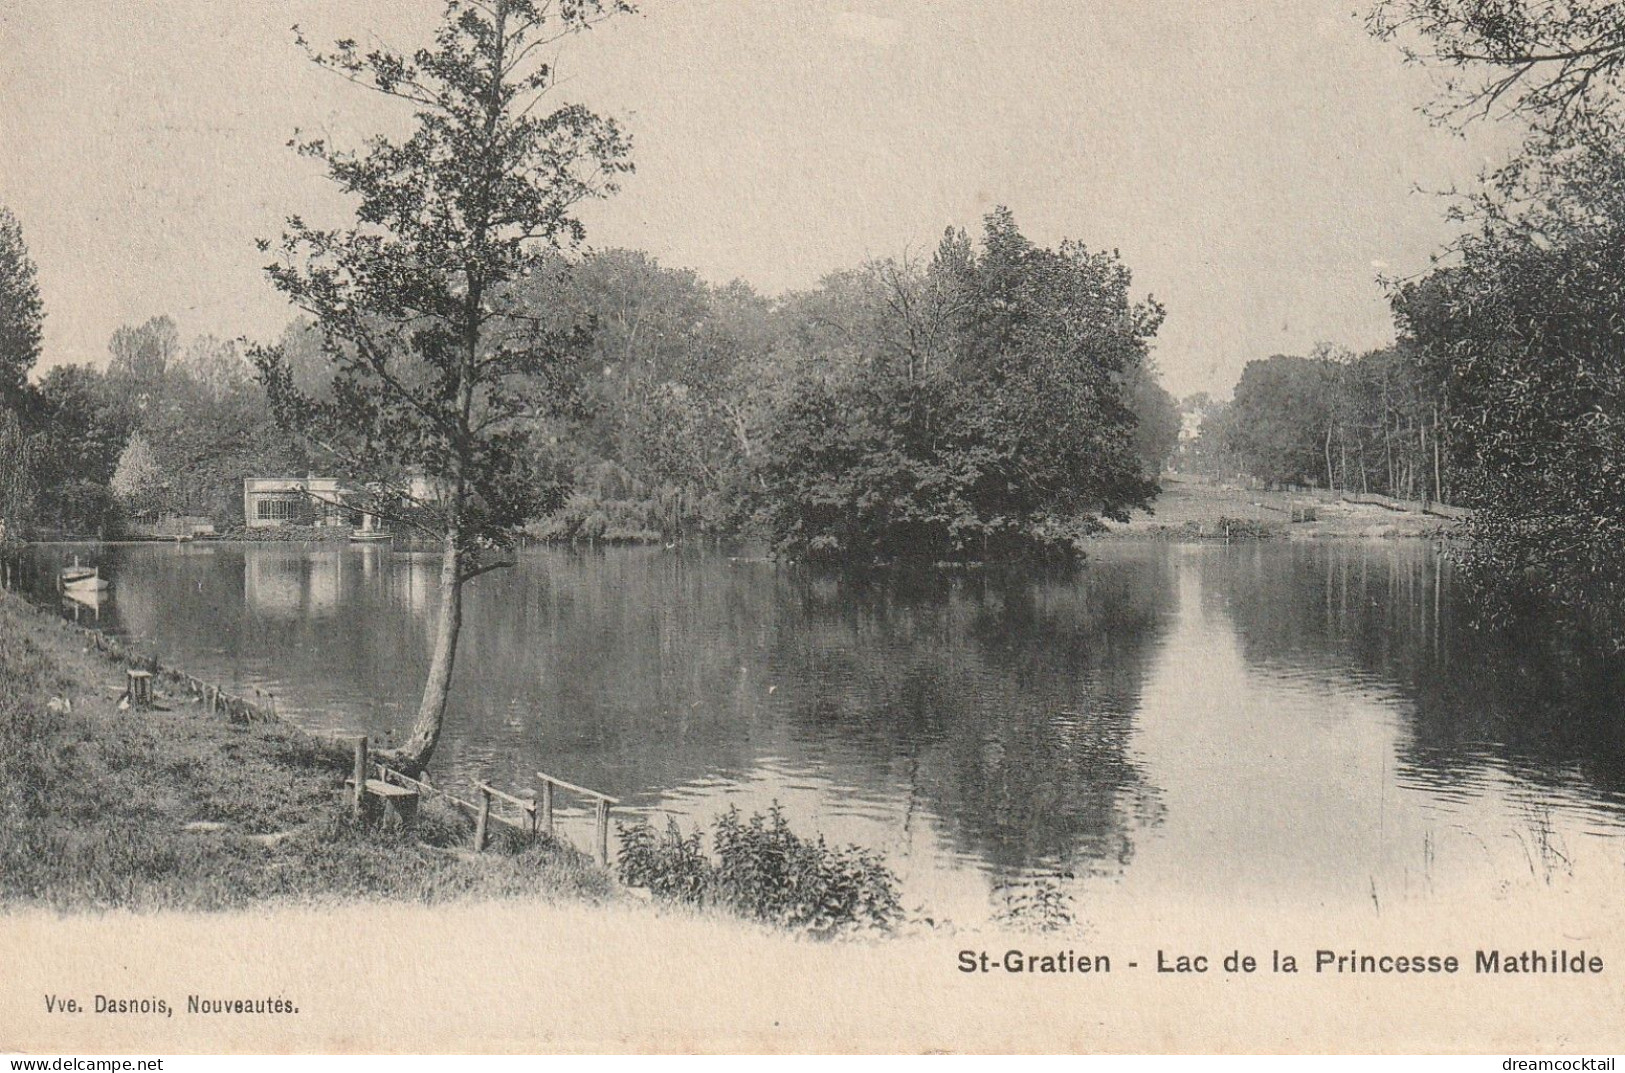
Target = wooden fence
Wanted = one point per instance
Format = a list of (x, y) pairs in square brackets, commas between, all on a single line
[(529, 814)]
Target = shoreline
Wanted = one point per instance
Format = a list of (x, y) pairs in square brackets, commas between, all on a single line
[(1186, 511), (208, 801)]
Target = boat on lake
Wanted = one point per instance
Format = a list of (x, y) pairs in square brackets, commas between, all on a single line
[(87, 597), (82, 579)]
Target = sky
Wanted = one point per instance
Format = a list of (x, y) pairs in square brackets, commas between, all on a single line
[(1259, 164)]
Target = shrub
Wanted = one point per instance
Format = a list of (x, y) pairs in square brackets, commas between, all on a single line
[(670, 866), (764, 871), (1039, 905)]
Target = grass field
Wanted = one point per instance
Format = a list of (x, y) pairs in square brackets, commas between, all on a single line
[(101, 808), (1194, 509)]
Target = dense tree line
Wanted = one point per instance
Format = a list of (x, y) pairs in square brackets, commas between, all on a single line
[(1370, 423), (994, 400), (1505, 389), (21, 321), (160, 428), (1525, 332)]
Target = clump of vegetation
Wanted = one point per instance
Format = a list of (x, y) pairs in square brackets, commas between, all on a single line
[(1040, 905), (1243, 529), (288, 534), (995, 421), (764, 871)]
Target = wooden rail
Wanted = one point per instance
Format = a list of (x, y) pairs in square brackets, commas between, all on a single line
[(601, 807), (535, 816), (526, 806)]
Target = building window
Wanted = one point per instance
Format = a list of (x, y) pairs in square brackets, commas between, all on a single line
[(278, 510)]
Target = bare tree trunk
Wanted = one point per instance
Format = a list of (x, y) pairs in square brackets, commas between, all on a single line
[(1388, 449), (1331, 483), (1438, 481), (414, 754), (1422, 460)]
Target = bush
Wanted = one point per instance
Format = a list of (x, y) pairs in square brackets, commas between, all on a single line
[(764, 871), (670, 866), (1039, 905)]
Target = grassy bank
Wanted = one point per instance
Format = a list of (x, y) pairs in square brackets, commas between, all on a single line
[(1198, 510), (177, 809)]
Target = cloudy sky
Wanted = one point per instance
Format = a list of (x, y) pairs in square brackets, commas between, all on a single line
[(1257, 162)]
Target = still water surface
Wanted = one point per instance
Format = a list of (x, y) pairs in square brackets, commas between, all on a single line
[(1291, 724)]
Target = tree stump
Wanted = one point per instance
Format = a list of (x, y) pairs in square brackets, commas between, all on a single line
[(396, 803), (140, 689)]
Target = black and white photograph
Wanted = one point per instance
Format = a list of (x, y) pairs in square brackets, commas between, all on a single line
[(812, 526)]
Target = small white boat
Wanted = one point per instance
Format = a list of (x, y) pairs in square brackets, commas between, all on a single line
[(82, 596), (78, 578), (370, 536)]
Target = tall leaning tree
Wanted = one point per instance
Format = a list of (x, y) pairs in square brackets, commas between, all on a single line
[(441, 373)]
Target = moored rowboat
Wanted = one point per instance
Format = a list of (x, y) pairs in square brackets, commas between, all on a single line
[(78, 578)]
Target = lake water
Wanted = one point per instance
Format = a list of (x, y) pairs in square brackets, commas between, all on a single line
[(1286, 723)]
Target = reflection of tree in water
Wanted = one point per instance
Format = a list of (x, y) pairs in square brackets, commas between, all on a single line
[(1389, 614), (1003, 702)]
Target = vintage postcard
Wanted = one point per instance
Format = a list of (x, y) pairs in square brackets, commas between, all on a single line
[(555, 526)]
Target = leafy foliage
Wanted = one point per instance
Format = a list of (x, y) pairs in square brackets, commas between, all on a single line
[(141, 356), (1528, 336), (1520, 328), (22, 314), (1276, 426), (764, 871), (1156, 422), (137, 482), (1377, 422), (436, 369), (679, 374), (1036, 904), (1556, 66), (983, 410), (17, 473)]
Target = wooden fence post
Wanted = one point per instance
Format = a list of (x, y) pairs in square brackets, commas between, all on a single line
[(603, 832), (484, 820), (140, 689), (547, 807), (530, 816), (360, 745)]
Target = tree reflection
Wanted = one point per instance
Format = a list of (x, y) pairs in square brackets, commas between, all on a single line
[(1003, 700), (1522, 698)]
